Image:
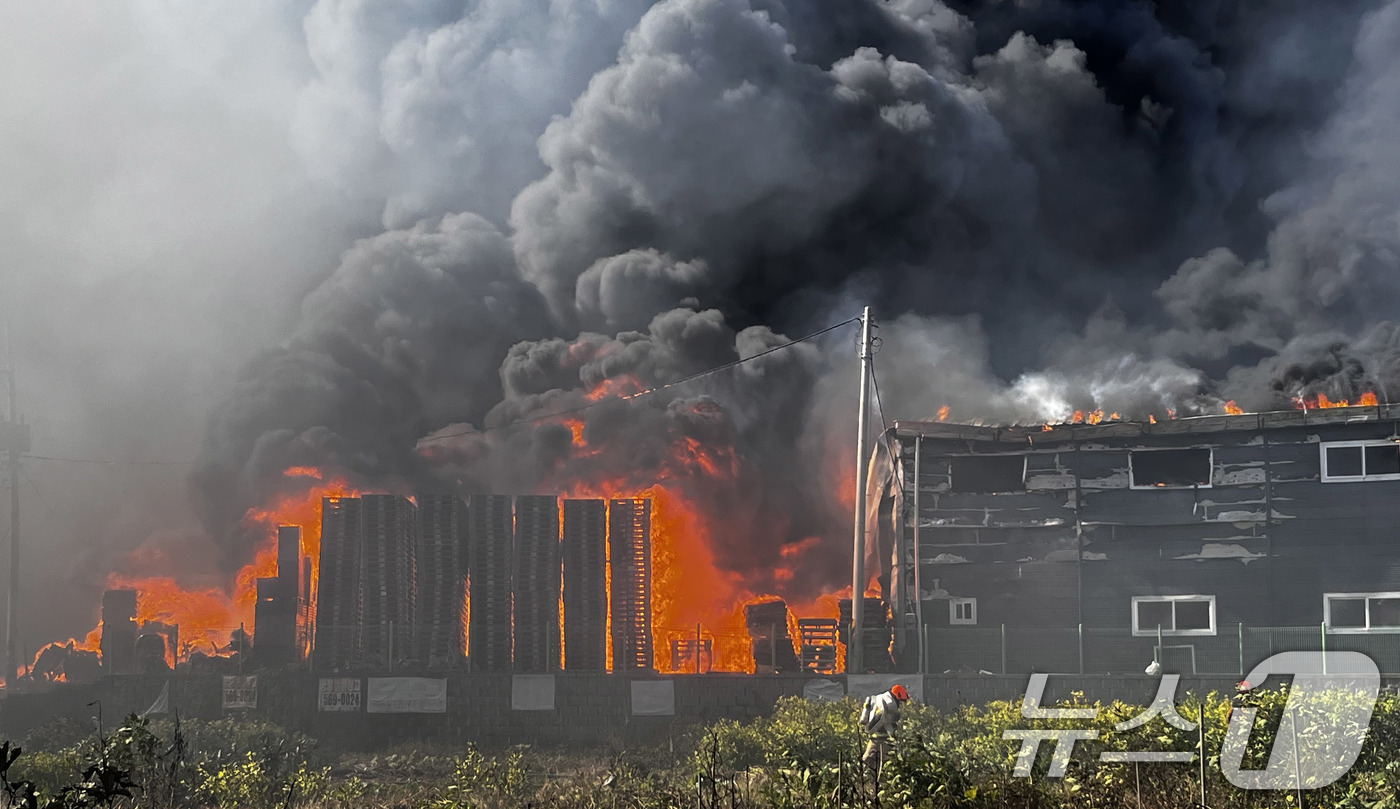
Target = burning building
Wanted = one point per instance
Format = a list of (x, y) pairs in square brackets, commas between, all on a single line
[(1203, 543)]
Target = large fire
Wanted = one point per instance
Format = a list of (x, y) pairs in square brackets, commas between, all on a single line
[(208, 616), (689, 589)]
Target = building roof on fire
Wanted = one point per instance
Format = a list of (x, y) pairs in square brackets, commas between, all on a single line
[(1050, 434)]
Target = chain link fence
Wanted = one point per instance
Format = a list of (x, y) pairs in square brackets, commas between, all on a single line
[(1232, 650)]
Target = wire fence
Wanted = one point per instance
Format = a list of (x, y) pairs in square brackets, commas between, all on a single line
[(699, 649), (1232, 650)]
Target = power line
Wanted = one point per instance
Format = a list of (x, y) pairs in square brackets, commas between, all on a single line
[(884, 436), (640, 394)]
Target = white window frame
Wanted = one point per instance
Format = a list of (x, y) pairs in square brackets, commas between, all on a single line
[(1173, 633), (1152, 487), (954, 619), (1025, 468), (1356, 630), (1327, 477)]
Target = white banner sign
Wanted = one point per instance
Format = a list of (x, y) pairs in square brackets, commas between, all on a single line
[(532, 692), (340, 694), (406, 695), (653, 698), (241, 691)]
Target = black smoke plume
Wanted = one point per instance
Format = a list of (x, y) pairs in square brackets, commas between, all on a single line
[(1119, 204)]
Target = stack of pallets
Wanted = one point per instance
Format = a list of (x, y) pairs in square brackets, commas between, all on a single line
[(536, 583), (585, 554), (338, 604), (489, 539), (876, 634), (629, 541), (442, 580), (684, 650), (818, 637), (771, 645)]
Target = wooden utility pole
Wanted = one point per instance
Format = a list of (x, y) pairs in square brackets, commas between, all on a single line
[(855, 663)]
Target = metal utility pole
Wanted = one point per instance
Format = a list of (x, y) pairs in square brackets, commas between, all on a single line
[(855, 664), (14, 439)]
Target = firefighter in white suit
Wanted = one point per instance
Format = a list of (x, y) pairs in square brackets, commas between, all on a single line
[(879, 716)]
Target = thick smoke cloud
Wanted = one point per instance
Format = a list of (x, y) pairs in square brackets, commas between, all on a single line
[(1137, 206), (1054, 206)]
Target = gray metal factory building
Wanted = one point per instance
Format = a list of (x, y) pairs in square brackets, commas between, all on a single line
[(1204, 543)]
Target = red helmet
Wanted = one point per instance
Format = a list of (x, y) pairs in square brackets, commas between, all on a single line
[(899, 693)]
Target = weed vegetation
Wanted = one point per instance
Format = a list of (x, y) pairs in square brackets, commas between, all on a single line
[(804, 754)]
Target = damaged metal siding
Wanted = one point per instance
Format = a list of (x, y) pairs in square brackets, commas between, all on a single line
[(1266, 537)]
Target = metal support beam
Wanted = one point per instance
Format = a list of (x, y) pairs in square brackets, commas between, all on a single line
[(918, 560)]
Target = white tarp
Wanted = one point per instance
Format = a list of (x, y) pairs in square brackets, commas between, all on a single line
[(162, 703), (532, 692), (240, 691), (861, 686), (823, 690), (406, 695), (339, 694), (653, 698)]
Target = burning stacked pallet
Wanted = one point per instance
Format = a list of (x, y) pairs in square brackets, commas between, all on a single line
[(684, 651), (629, 542), (772, 646), (536, 583), (442, 579), (876, 633), (818, 636), (585, 585), (491, 526)]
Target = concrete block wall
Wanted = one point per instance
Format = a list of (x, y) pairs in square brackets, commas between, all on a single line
[(589, 709)]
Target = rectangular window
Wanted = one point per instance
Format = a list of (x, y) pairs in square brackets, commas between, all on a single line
[(1361, 612), (1360, 460), (1169, 468), (1174, 615), (962, 611), (988, 473)]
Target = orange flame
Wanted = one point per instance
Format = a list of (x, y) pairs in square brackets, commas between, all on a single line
[(207, 616), (1233, 409), (689, 586), (623, 386), (943, 413), (1323, 402)]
